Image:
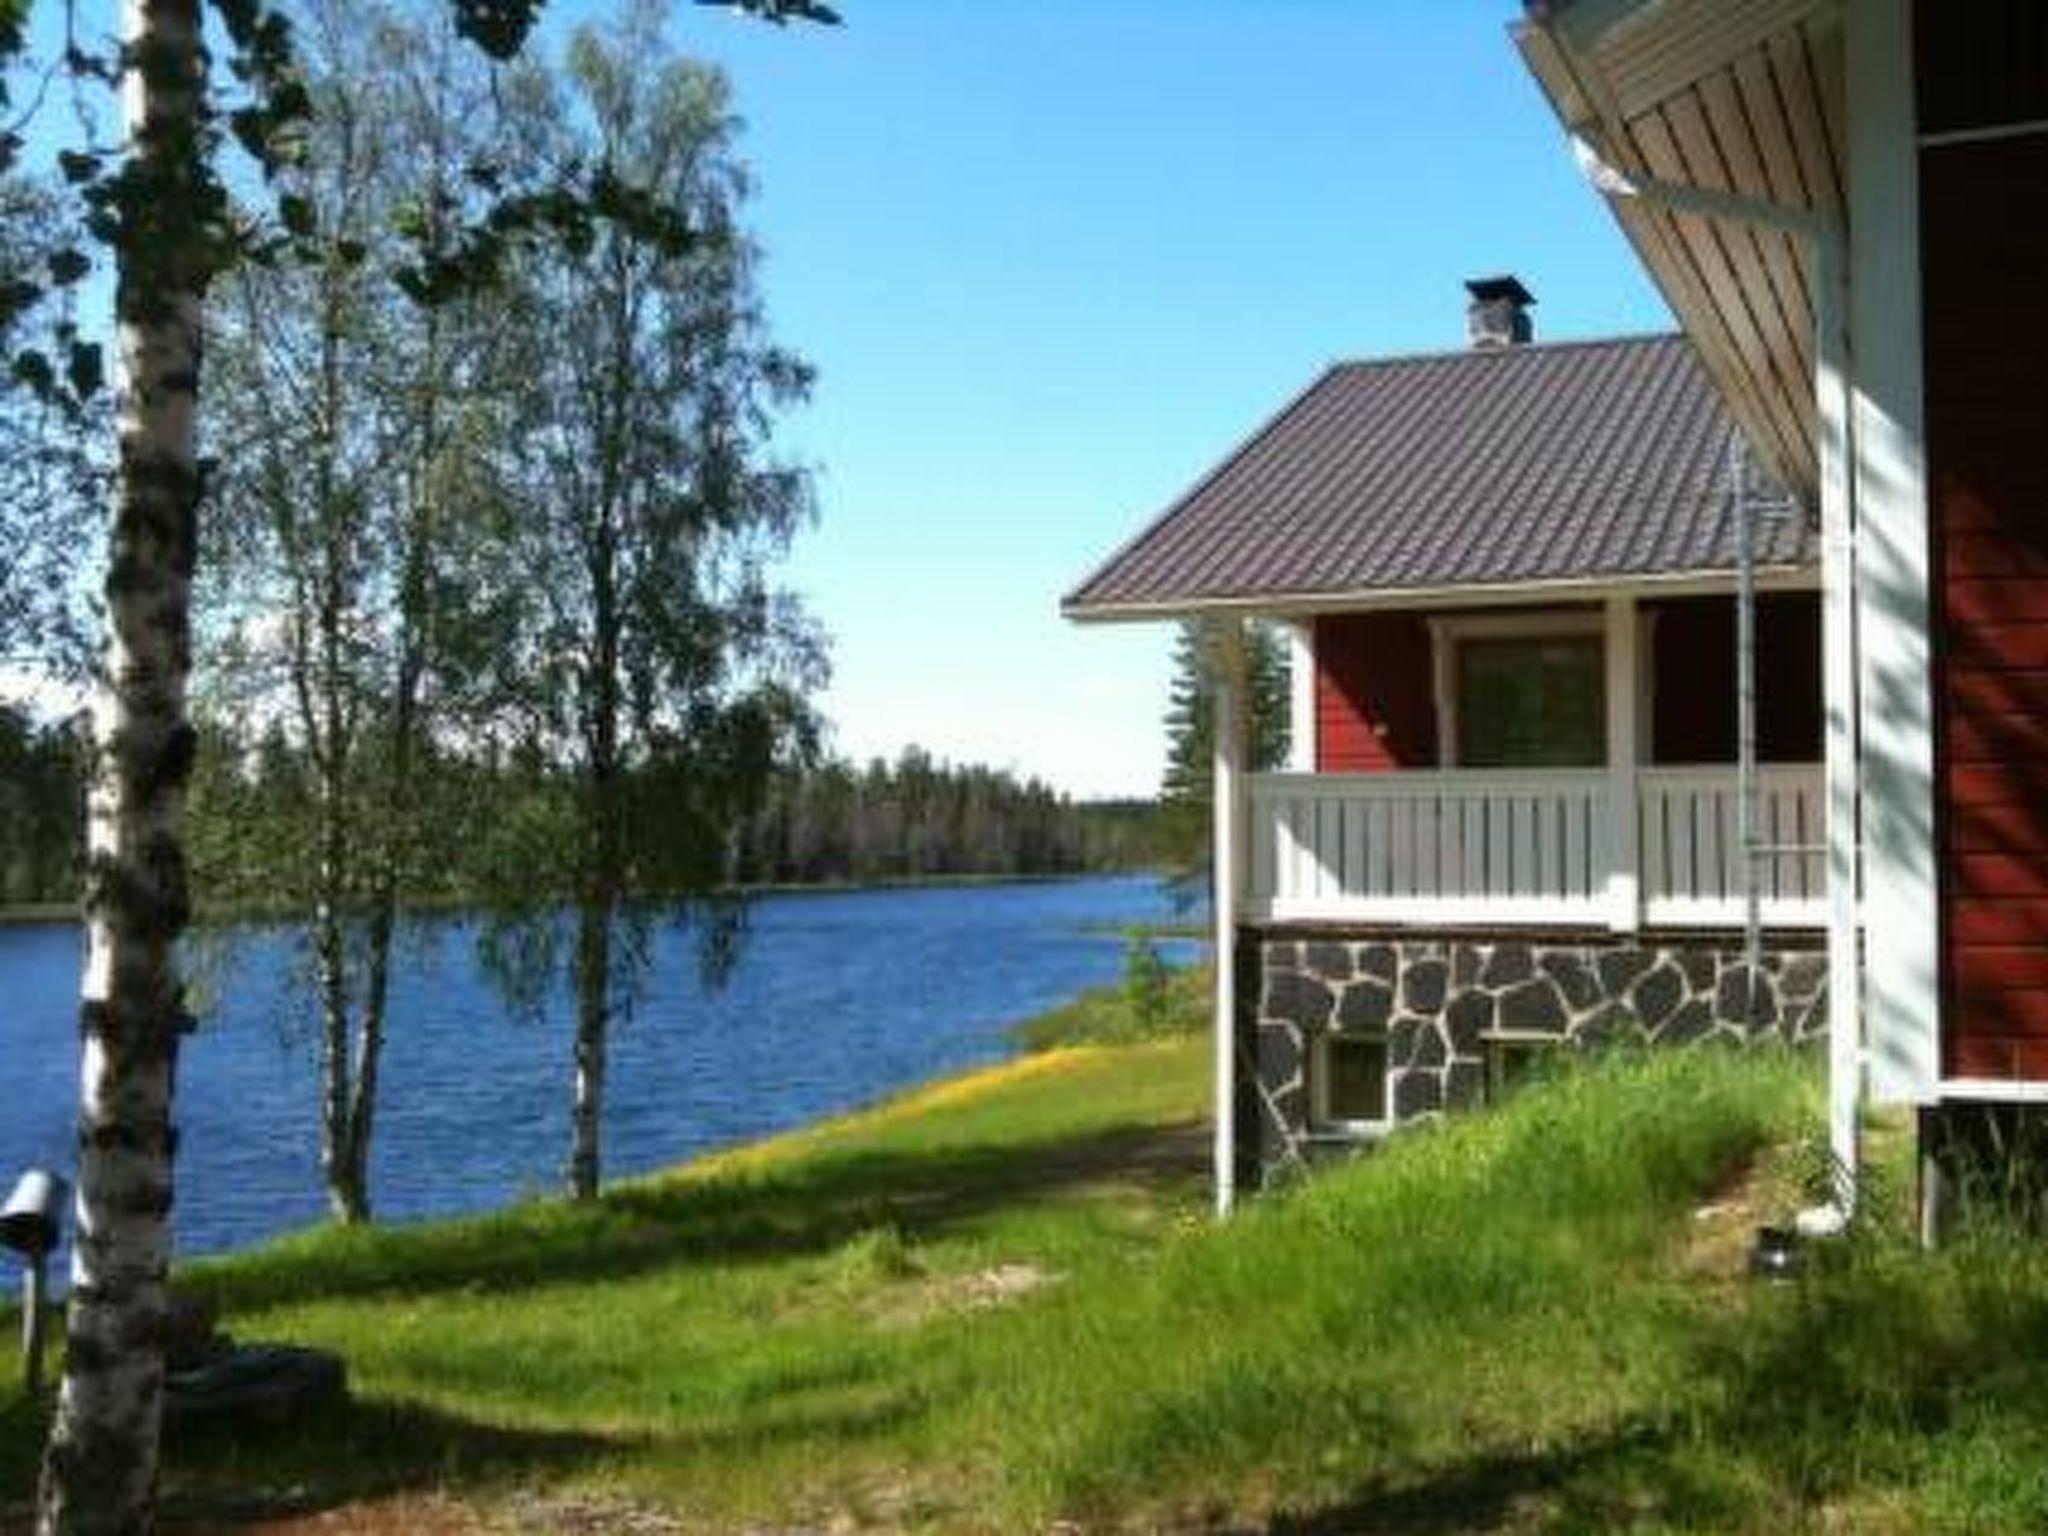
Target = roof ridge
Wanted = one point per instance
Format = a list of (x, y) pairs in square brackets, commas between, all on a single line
[(1520, 349)]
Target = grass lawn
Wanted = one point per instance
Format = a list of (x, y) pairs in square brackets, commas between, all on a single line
[(997, 1304)]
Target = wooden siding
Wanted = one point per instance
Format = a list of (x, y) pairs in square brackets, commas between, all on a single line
[(1692, 689), (1743, 96), (1375, 700), (1981, 63), (1984, 252)]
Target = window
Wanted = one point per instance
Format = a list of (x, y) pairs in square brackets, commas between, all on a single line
[(1511, 1060), (1348, 1082), (1531, 701)]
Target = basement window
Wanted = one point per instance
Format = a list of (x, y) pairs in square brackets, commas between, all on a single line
[(1348, 1083), (1512, 1060)]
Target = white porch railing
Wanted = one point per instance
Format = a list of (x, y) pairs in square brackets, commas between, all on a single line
[(1465, 847), (1691, 841)]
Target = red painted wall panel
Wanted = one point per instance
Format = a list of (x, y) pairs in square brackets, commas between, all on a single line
[(1692, 695), (1984, 247), (1981, 62), (1375, 693)]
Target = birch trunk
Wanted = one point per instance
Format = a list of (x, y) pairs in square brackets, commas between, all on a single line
[(332, 739), (603, 882), (593, 967), (99, 1471)]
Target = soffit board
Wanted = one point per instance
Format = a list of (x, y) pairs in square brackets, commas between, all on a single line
[(1739, 96)]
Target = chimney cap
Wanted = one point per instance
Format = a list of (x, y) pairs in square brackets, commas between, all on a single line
[(1507, 286)]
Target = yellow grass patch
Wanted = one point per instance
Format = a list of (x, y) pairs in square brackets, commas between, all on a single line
[(947, 1093)]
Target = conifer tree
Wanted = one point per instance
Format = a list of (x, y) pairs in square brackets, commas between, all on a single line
[(1186, 787)]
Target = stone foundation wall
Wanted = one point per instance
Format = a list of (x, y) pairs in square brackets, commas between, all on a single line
[(1439, 1002)]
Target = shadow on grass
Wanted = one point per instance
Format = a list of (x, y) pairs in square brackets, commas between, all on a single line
[(242, 1473), (809, 1208), (1885, 1376), (1483, 1494), (249, 1470)]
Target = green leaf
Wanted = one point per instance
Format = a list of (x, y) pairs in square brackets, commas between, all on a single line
[(240, 17), (251, 128), (296, 214), (33, 369), (87, 369), (67, 266), (17, 295), (498, 27), (78, 168)]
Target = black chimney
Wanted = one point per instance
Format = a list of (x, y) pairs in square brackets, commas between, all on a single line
[(1498, 315)]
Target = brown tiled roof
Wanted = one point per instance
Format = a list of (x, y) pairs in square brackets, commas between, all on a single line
[(1556, 462)]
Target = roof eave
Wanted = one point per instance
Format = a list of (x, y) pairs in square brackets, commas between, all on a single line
[(1648, 82), (1797, 576)]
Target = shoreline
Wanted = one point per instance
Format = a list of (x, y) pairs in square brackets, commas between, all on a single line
[(33, 913), (1023, 1058)]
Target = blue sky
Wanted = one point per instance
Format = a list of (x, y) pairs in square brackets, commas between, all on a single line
[(1055, 258)]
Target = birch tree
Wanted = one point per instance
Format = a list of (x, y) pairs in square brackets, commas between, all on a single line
[(159, 206), (100, 1468), (354, 529), (664, 671), (52, 464)]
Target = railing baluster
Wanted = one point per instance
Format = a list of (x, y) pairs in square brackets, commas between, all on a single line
[(1492, 845)]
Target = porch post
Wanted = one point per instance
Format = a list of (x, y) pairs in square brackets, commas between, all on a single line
[(1227, 863), (1624, 889)]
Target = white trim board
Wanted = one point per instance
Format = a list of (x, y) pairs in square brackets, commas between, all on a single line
[(1901, 951), (1284, 605)]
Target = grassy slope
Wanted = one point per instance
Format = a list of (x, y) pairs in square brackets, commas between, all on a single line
[(1494, 1323)]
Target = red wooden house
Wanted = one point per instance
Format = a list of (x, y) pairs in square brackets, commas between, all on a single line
[(1513, 813)]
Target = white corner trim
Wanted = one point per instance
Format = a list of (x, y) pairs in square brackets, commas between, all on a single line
[(1894, 613)]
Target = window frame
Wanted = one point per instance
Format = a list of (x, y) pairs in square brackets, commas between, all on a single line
[(1320, 1119), (1498, 1044), (1448, 631)]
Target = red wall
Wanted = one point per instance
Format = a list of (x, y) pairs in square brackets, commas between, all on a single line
[(1984, 249), (1375, 694), (1376, 700), (1693, 686)]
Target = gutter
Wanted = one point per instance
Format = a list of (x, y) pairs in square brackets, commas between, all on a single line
[(1555, 589)]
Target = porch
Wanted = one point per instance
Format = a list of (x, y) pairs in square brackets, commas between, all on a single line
[(1558, 847), (1547, 766)]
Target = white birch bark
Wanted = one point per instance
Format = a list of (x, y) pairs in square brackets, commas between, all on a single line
[(100, 1467)]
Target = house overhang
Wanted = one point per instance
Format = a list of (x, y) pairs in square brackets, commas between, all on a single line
[(1559, 590), (1741, 97)]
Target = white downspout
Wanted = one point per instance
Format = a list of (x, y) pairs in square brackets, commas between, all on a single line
[(1838, 652), (1227, 806), (1838, 623)]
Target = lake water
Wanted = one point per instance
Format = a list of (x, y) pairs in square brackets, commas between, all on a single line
[(838, 998)]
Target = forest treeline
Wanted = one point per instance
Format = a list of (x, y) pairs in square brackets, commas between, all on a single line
[(835, 822)]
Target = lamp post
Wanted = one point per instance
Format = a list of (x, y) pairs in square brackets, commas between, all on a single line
[(30, 1223)]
